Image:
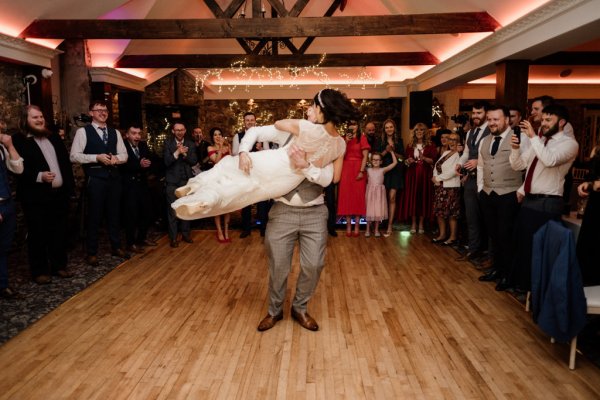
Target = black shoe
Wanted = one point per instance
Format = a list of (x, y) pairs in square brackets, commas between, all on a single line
[(7, 293), (332, 233), (437, 241), (490, 277), (244, 234), (120, 253), (174, 243), (187, 239), (502, 285)]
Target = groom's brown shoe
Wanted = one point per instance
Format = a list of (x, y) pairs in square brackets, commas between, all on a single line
[(269, 321), (305, 320)]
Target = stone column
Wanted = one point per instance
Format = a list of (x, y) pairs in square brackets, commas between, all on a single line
[(75, 88)]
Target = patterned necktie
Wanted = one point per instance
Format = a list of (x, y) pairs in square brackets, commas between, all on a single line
[(136, 151), (496, 144), (529, 176), (104, 135)]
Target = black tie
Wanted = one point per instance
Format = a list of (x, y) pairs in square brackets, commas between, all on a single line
[(475, 136), (104, 135), (496, 144), (137, 152)]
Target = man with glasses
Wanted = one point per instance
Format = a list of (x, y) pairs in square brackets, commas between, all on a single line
[(99, 149)]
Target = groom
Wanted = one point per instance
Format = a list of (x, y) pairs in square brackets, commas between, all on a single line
[(302, 215)]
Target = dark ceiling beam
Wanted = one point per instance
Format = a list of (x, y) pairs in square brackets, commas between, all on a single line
[(417, 24), (279, 61), (308, 41), (569, 58)]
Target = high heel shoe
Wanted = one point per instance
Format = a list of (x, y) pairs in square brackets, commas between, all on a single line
[(348, 234), (220, 240), (449, 243), (356, 234), (438, 241)]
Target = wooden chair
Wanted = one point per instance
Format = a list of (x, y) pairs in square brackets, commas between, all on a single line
[(592, 297)]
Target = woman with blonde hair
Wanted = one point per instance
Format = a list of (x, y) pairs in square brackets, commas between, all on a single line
[(417, 202)]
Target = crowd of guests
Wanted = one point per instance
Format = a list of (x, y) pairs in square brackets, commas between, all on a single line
[(501, 179)]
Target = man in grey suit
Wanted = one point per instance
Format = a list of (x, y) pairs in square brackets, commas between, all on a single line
[(299, 215), (179, 157), (497, 184)]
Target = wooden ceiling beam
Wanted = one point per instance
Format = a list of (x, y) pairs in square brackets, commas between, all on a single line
[(279, 61), (417, 24)]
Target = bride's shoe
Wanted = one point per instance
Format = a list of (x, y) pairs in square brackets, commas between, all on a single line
[(182, 191)]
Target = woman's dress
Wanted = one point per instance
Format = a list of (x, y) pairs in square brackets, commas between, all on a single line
[(417, 197), (377, 207), (226, 188), (351, 192), (446, 199), (394, 179)]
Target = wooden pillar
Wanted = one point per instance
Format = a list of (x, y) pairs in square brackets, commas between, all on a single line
[(512, 83), (75, 85)]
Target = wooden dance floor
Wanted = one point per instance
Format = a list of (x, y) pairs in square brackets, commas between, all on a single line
[(399, 318)]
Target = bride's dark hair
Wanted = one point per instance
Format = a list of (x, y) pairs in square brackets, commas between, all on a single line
[(335, 106)]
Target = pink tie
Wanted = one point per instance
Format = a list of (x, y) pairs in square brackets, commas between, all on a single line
[(529, 176)]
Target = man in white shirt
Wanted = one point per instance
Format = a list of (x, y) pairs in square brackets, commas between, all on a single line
[(99, 149), (547, 161)]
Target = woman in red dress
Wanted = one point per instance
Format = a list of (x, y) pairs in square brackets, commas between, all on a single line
[(216, 152), (417, 202), (353, 183)]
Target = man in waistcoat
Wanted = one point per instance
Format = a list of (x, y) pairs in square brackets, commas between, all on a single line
[(300, 215), (136, 194), (497, 184), (100, 149), (468, 165), (179, 158), (44, 189), (10, 160)]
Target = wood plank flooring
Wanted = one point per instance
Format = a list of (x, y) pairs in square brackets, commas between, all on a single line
[(399, 318)]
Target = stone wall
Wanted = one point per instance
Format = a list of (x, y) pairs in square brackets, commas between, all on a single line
[(11, 93), (228, 115)]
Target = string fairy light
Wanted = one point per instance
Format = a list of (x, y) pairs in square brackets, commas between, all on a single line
[(259, 76)]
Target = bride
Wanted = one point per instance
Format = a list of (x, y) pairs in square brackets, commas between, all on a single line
[(236, 182)]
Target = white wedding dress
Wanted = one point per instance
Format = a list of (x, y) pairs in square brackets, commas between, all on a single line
[(226, 188)]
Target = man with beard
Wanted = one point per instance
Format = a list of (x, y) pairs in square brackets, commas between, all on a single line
[(537, 105), (547, 161), (10, 160), (370, 135), (44, 190), (497, 184), (99, 149), (468, 166)]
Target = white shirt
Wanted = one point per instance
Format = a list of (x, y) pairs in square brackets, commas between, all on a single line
[(321, 176), (14, 166), (235, 145), (554, 161), (80, 141), (50, 156)]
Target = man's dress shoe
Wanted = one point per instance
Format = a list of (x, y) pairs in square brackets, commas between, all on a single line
[(502, 285), (92, 260), (120, 253), (269, 321), (305, 320), (490, 276), (42, 279), (187, 239), (135, 249), (149, 243), (174, 243)]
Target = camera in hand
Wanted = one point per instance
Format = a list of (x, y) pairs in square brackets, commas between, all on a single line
[(464, 171)]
